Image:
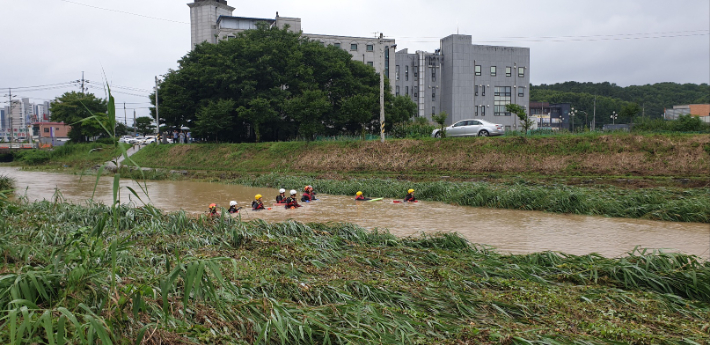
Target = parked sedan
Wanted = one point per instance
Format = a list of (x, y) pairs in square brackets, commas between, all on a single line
[(465, 128)]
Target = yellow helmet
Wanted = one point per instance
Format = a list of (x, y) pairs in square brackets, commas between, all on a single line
[(410, 191), (358, 193), (257, 197)]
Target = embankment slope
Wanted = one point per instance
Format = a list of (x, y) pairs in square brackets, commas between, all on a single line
[(588, 155)]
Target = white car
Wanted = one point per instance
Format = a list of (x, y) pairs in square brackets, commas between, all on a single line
[(148, 140), (471, 127)]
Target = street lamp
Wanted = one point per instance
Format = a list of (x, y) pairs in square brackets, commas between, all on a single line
[(613, 117), (574, 112)]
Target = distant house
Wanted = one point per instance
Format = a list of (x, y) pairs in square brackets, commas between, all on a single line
[(50, 133), (700, 110), (555, 116)]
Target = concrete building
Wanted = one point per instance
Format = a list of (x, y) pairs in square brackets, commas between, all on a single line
[(700, 110), (465, 80), (212, 21), (555, 116), (50, 133)]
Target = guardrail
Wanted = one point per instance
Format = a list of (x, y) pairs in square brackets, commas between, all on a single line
[(17, 146)]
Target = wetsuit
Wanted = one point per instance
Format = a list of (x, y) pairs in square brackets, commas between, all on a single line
[(257, 205), (280, 199), (292, 202), (410, 198), (362, 198), (233, 209), (306, 197)]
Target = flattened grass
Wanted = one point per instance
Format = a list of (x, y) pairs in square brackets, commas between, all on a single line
[(180, 279)]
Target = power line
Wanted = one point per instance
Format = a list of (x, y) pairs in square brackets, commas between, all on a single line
[(584, 38), (124, 12), (37, 86)]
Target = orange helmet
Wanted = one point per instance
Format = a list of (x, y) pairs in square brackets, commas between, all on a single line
[(213, 206)]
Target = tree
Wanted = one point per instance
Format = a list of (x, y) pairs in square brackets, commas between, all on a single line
[(525, 121), (144, 125), (214, 120), (402, 109), (441, 121), (281, 84), (76, 109), (309, 109), (121, 130), (629, 111)]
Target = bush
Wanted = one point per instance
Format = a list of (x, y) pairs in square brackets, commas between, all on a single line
[(685, 123), (34, 157), (413, 130)]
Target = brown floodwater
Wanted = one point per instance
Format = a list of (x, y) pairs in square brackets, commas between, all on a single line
[(509, 231)]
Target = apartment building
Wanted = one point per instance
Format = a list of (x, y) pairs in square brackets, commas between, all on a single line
[(466, 80), (212, 21)]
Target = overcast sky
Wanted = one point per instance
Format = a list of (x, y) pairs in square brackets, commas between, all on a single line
[(627, 42)]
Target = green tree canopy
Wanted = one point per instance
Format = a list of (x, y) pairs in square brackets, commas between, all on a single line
[(278, 84), (144, 125), (74, 108)]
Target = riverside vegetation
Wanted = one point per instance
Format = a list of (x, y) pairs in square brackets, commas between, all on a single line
[(98, 274)]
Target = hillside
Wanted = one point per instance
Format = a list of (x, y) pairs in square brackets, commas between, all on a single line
[(611, 97), (581, 155)]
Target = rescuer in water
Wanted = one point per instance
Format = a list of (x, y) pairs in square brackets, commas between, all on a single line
[(292, 201), (360, 197), (281, 197), (410, 196), (257, 204)]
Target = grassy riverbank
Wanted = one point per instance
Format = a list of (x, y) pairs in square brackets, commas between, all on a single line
[(621, 154), (182, 280)]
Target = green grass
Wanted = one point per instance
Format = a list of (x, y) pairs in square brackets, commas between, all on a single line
[(68, 274), (692, 205), (75, 156)]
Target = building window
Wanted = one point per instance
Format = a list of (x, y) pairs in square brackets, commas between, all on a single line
[(416, 91), (478, 70), (483, 110), (370, 47), (493, 71), (433, 95), (416, 72), (433, 110), (370, 63), (508, 71), (46, 130), (406, 90), (406, 73), (337, 45), (483, 90), (476, 110), (396, 72), (521, 72), (433, 74), (230, 37), (521, 92), (397, 92), (502, 95), (353, 46), (476, 93)]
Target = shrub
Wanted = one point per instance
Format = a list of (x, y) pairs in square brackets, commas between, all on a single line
[(34, 157)]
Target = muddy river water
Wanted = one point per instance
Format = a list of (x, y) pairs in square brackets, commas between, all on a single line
[(507, 230)]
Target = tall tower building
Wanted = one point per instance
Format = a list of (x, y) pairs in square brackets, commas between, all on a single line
[(203, 18)]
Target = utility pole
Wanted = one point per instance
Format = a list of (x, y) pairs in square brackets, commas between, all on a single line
[(134, 124), (83, 90), (382, 89), (157, 116)]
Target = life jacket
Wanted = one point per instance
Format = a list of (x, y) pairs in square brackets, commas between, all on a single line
[(257, 205), (233, 209), (306, 197), (292, 202), (410, 198), (280, 199), (361, 197), (214, 214)]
